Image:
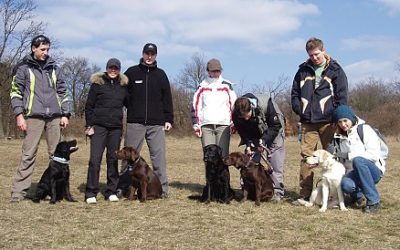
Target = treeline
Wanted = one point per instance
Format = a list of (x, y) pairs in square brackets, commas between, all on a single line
[(373, 100)]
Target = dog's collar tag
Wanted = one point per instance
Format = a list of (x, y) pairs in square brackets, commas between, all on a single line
[(60, 160), (132, 166)]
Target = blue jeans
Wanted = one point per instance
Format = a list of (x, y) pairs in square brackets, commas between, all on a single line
[(361, 181)]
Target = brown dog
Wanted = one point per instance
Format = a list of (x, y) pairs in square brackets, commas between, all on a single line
[(144, 180), (257, 183)]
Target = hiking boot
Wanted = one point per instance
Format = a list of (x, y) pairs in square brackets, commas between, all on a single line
[(372, 209)]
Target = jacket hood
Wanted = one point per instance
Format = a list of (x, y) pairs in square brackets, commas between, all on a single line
[(100, 78)]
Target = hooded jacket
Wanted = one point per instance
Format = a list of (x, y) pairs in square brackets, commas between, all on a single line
[(351, 146), (316, 105), (150, 99), (105, 100), (266, 123), (213, 103), (38, 91)]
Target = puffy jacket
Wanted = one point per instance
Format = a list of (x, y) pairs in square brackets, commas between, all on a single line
[(105, 100), (38, 91), (317, 105), (351, 146), (150, 99), (213, 103), (267, 126)]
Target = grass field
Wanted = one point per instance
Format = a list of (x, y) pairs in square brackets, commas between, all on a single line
[(181, 223)]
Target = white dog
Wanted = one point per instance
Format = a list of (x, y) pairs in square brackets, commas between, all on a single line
[(328, 192)]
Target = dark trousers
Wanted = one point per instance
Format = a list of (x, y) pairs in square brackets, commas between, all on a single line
[(102, 138)]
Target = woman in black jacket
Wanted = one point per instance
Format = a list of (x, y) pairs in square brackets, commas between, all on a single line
[(103, 112)]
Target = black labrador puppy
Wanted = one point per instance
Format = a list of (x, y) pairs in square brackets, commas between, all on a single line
[(55, 179), (218, 186)]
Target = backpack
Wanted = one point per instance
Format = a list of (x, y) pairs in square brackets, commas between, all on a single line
[(384, 146)]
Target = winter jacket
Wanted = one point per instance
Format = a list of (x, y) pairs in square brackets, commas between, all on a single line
[(106, 98), (351, 146), (213, 103), (317, 105), (38, 91), (267, 126), (150, 99)]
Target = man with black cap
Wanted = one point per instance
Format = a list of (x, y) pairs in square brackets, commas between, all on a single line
[(149, 111), (40, 103)]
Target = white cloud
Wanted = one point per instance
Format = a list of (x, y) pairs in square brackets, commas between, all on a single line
[(251, 24), (378, 69), (393, 6)]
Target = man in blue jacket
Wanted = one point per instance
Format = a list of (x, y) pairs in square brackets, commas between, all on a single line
[(149, 111), (319, 86), (40, 103)]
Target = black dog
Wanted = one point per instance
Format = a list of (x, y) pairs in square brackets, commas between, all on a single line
[(55, 180), (217, 177)]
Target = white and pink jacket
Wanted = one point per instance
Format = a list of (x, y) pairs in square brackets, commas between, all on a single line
[(213, 103)]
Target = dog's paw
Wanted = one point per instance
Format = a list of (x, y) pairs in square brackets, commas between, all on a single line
[(343, 209), (322, 209)]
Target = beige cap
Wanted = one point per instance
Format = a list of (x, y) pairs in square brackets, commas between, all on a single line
[(214, 64)]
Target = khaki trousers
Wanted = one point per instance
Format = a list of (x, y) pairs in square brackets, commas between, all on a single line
[(312, 134), (23, 178)]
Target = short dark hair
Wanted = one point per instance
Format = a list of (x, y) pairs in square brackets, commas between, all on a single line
[(314, 43), (242, 106), (38, 40)]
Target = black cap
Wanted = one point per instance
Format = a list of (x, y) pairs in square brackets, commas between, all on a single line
[(114, 62), (150, 47)]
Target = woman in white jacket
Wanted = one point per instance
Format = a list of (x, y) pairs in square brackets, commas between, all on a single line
[(212, 108), (362, 158)]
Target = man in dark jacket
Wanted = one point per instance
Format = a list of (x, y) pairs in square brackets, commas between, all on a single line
[(103, 112), (259, 123), (149, 111), (319, 86), (40, 103)]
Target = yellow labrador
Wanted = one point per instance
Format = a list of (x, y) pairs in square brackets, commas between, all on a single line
[(328, 192)]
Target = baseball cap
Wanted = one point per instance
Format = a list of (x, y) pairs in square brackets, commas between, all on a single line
[(114, 62), (214, 64), (150, 47)]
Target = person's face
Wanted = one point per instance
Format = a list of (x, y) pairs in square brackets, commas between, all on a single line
[(214, 73), (246, 116), (317, 56), (345, 124), (113, 72), (149, 58), (42, 52)]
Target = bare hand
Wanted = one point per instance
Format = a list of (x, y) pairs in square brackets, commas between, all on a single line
[(64, 122), (167, 126), (21, 122)]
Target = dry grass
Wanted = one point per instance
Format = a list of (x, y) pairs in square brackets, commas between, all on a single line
[(181, 223)]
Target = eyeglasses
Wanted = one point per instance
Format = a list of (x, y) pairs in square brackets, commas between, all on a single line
[(37, 40)]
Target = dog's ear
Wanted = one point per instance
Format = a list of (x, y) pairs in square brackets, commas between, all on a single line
[(324, 155), (219, 150)]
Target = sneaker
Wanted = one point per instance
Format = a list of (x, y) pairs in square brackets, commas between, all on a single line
[(91, 200), (113, 198), (372, 209), (16, 199), (277, 198)]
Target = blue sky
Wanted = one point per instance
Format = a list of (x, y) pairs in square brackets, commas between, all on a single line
[(257, 41)]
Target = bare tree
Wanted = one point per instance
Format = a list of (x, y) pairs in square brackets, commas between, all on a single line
[(275, 89), (16, 30), (76, 72), (193, 73)]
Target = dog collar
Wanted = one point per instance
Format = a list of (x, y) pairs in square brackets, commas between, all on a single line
[(132, 166), (60, 160)]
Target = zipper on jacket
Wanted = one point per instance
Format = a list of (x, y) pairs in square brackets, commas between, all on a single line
[(146, 92)]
